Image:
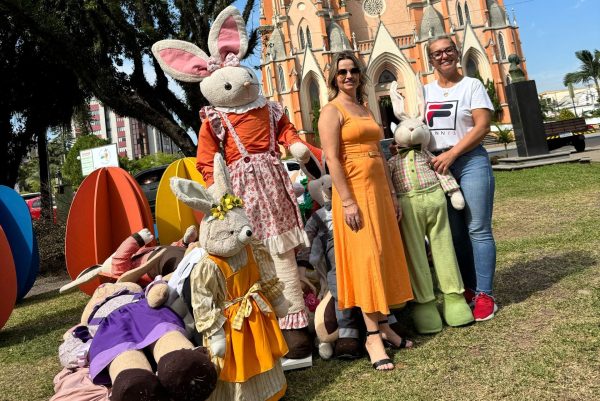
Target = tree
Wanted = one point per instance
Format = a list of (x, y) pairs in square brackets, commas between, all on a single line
[(113, 59), (71, 169), (588, 70), (504, 136), (37, 93), (491, 90)]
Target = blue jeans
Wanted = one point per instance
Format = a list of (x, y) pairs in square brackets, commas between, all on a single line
[(472, 227)]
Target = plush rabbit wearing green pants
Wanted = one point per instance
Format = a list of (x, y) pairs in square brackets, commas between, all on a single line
[(422, 195)]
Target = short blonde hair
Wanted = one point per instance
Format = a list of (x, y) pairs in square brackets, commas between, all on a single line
[(431, 41)]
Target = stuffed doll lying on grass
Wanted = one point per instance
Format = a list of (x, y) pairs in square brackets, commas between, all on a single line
[(422, 197), (134, 254), (234, 293), (120, 326)]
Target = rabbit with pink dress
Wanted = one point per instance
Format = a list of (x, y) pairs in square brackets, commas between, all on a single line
[(247, 129)]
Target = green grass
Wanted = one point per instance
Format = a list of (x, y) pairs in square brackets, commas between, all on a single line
[(544, 343)]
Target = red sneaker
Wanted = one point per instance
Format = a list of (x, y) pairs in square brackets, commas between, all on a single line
[(485, 307), (469, 295)]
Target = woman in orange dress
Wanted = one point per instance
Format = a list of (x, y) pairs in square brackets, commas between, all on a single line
[(371, 266)]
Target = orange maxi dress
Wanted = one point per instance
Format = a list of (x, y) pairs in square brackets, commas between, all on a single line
[(371, 266)]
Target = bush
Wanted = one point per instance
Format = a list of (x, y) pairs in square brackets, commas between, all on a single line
[(565, 114), (51, 244)]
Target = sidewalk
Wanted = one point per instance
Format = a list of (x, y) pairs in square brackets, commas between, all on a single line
[(591, 152)]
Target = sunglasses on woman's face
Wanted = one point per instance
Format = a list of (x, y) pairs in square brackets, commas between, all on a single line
[(344, 72)]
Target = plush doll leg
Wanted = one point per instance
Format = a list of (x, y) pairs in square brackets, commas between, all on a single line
[(348, 345), (186, 373), (133, 379), (425, 314), (456, 310), (295, 325)]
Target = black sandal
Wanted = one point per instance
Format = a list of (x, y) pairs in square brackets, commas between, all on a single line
[(389, 344), (383, 361)]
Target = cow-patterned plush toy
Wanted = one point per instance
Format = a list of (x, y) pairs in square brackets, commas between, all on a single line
[(248, 130), (231, 285), (120, 326), (421, 194)]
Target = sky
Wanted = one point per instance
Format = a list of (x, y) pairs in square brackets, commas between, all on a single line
[(551, 32)]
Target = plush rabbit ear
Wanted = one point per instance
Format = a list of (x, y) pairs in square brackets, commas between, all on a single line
[(192, 194), (393, 126), (228, 34), (420, 99), (222, 184), (182, 60), (397, 102)]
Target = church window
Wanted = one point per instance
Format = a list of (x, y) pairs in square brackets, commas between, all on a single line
[(461, 20), (374, 8), (308, 38), (386, 77), (280, 80), (302, 40), (501, 46), (268, 79), (467, 15)]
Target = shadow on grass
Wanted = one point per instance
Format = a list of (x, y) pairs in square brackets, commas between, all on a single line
[(39, 322), (521, 280)]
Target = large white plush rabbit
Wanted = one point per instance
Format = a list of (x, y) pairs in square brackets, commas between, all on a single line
[(233, 290), (421, 192), (247, 129)]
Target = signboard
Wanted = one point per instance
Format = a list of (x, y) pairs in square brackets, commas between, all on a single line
[(95, 158)]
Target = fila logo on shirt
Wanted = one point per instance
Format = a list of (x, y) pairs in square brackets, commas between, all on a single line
[(441, 115)]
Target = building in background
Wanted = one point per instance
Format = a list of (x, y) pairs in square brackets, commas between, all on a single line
[(584, 100), (301, 36), (134, 138)]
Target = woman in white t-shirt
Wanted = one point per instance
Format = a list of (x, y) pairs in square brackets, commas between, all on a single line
[(458, 113)]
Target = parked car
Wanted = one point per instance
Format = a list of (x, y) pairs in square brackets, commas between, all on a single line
[(35, 208), (149, 180)]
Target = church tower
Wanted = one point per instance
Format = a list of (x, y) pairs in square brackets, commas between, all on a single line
[(299, 39)]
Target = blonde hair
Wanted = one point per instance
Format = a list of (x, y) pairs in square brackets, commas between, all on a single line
[(431, 41), (331, 81)]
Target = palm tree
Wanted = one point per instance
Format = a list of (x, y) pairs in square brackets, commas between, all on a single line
[(588, 70), (504, 136)]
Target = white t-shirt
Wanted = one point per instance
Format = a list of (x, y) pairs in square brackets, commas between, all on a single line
[(448, 110)]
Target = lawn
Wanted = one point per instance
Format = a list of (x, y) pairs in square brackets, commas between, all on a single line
[(544, 343)]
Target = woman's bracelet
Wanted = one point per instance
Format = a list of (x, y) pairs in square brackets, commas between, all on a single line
[(349, 204)]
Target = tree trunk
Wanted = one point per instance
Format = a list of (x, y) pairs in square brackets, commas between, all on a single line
[(45, 183)]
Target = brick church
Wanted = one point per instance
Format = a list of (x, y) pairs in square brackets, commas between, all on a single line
[(389, 36)]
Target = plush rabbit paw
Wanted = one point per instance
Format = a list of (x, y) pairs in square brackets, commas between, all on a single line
[(281, 307), (157, 292), (146, 235), (457, 199), (300, 152), (217, 343)]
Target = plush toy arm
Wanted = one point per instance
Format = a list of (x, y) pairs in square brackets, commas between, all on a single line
[(457, 200), (74, 350), (208, 145), (157, 292), (300, 152), (217, 343), (208, 289)]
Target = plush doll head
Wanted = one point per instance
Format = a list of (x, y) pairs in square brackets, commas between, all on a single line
[(320, 186), (223, 81), (225, 229), (412, 130)]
